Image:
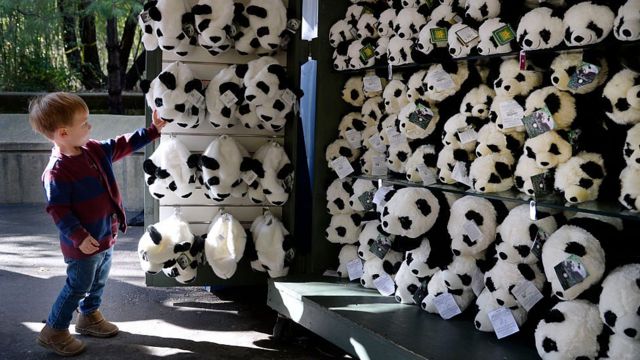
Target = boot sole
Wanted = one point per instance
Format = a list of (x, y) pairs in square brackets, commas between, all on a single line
[(96, 334), (49, 347)]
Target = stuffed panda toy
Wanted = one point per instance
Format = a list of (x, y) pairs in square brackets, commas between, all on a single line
[(549, 149), (463, 297), (368, 236), (488, 44), (445, 79), (353, 121), (631, 150), (341, 32), (579, 179), (224, 95), (620, 301), (214, 28), (165, 21), (486, 303), (569, 330), (525, 170), (353, 91), (502, 104), (517, 234), (630, 191), (338, 148), (621, 98), (367, 27), (397, 157), (492, 173), (356, 61), (272, 243), (395, 96), (540, 28), (477, 102), (415, 88), (373, 110), (420, 260), (274, 172), (561, 105), (458, 49), (456, 4), (620, 347), (269, 19), (406, 285), (482, 10), (411, 212), (504, 276), (371, 158), (439, 18), (399, 51), (587, 23), (163, 242), (173, 167), (458, 125), (512, 81), (423, 159), (386, 22), (344, 228), (626, 25), (338, 195), (569, 65), (375, 267), (493, 141), (146, 23), (347, 254), (408, 23), (362, 198), (224, 245), (418, 119), (185, 266), (382, 49), (461, 273), (471, 215), (221, 169), (448, 158)]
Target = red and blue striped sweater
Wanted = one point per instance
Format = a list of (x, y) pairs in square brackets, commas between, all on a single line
[(82, 194)]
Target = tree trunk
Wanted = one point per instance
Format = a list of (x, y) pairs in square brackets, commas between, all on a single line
[(126, 43), (92, 74), (71, 49), (113, 67), (135, 72)]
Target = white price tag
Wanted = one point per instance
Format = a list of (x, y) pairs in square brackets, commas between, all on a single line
[(372, 83), (503, 322), (427, 175), (146, 18), (331, 273), (197, 99), (446, 305), (385, 285), (249, 177), (511, 113), (288, 97), (472, 230), (228, 98), (440, 79), (467, 35), (342, 167), (527, 294), (378, 198), (354, 137), (395, 137), (377, 143), (477, 282), (459, 173), (355, 269), (467, 135), (379, 166)]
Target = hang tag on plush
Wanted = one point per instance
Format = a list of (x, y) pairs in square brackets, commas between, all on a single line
[(288, 183), (342, 167), (377, 144), (527, 294), (503, 322), (354, 137), (145, 17), (293, 25), (288, 97), (233, 31), (454, 19), (389, 71), (472, 230), (468, 36), (539, 122), (439, 35), (379, 167), (395, 137), (189, 27), (584, 75), (477, 282), (367, 52), (354, 32), (385, 285), (378, 198), (289, 255), (504, 34), (380, 247), (421, 292), (197, 99), (511, 113), (431, 3), (366, 199), (542, 184), (228, 98), (372, 83), (523, 60), (355, 269), (427, 175), (571, 272), (249, 177), (467, 134), (446, 305), (440, 79), (184, 261), (331, 273), (538, 243), (459, 173), (421, 116)]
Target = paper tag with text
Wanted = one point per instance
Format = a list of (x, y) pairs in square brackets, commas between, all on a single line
[(385, 285), (527, 294), (342, 167), (355, 269), (446, 305), (503, 322)]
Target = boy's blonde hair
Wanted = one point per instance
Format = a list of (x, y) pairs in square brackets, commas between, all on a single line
[(49, 112)]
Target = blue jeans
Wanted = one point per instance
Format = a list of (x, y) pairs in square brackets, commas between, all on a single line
[(86, 279)]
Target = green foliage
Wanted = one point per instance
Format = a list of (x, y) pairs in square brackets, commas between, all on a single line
[(114, 8)]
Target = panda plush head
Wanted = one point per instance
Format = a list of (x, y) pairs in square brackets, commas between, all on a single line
[(223, 113), (471, 212), (363, 191), (341, 59), (225, 244), (265, 84), (448, 157), (525, 170), (579, 179), (630, 191), (620, 301), (367, 27), (437, 286), (185, 267), (341, 32), (477, 102), (492, 173), (375, 267), (540, 28), (214, 28), (561, 105), (455, 126), (353, 91), (338, 195), (632, 147), (338, 148), (566, 66), (399, 51), (386, 22), (221, 165), (275, 172), (352, 121), (439, 18), (569, 330), (406, 285), (425, 155), (395, 96), (481, 10), (408, 23), (368, 135), (415, 88), (587, 23), (501, 104), (458, 49), (420, 261), (356, 62), (504, 276), (512, 81), (549, 149), (411, 212), (163, 242), (621, 97), (493, 141), (272, 242), (269, 19), (368, 236), (167, 17), (347, 254), (149, 38), (397, 157), (445, 79), (461, 273), (382, 49), (412, 126), (344, 229), (626, 26), (486, 303), (373, 110), (371, 92), (620, 347), (488, 44), (368, 160)]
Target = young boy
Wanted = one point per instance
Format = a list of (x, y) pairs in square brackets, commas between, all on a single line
[(85, 204)]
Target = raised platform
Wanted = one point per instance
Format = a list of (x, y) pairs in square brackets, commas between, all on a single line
[(371, 326)]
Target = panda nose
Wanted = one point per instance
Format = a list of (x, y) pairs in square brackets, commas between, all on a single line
[(167, 47), (480, 50), (351, 202), (638, 160), (398, 299), (481, 189), (415, 271), (401, 35), (626, 32), (544, 163), (528, 42), (507, 87), (480, 111), (573, 199), (499, 126), (578, 39), (215, 39), (452, 51), (362, 282), (360, 253), (405, 3)]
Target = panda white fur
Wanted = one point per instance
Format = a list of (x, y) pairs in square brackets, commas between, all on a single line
[(272, 242), (488, 44), (622, 348), (347, 254), (367, 27), (274, 172), (341, 32), (406, 285), (224, 245), (269, 19), (382, 49), (439, 78), (395, 96), (149, 38), (214, 27), (227, 82), (631, 151), (438, 19), (472, 210), (630, 192), (448, 157), (363, 190), (424, 155), (561, 105), (548, 150), (353, 91), (526, 168), (569, 331), (221, 172), (492, 173), (408, 23), (504, 276), (375, 267), (482, 10), (564, 66), (386, 22), (411, 212), (626, 26), (437, 287), (415, 88), (338, 195), (356, 62), (338, 148), (397, 157), (620, 301), (493, 141), (540, 28), (263, 84), (486, 303), (461, 273), (477, 102), (166, 16), (458, 49), (621, 97), (171, 168), (579, 179), (460, 123), (368, 235), (163, 242), (399, 51), (587, 23), (512, 81), (413, 130), (344, 229)]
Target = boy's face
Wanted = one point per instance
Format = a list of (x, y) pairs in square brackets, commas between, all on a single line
[(77, 134)]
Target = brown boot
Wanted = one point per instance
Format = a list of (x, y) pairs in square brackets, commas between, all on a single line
[(94, 324), (60, 341)]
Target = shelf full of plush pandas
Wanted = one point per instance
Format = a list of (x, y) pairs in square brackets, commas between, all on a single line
[(260, 27), (381, 33)]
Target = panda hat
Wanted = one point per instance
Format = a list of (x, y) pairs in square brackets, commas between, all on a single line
[(221, 163), (149, 38), (347, 254), (166, 25), (185, 267), (274, 172), (548, 150), (163, 242), (223, 96), (172, 157), (272, 242), (214, 22), (225, 243), (367, 26), (269, 19)]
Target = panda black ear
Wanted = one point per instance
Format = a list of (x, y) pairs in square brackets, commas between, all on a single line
[(194, 84), (168, 79), (460, 155), (451, 67), (201, 9), (155, 235), (593, 169), (503, 169), (287, 243), (389, 195), (285, 171), (155, 13), (424, 10), (513, 144), (145, 85), (357, 219), (193, 161)]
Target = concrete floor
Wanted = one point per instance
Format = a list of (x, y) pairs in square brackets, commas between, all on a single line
[(182, 323)]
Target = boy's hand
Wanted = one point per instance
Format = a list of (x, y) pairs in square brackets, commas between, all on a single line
[(89, 245), (157, 122)]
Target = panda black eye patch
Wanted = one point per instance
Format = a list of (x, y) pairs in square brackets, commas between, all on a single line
[(545, 35), (596, 29), (553, 149)]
